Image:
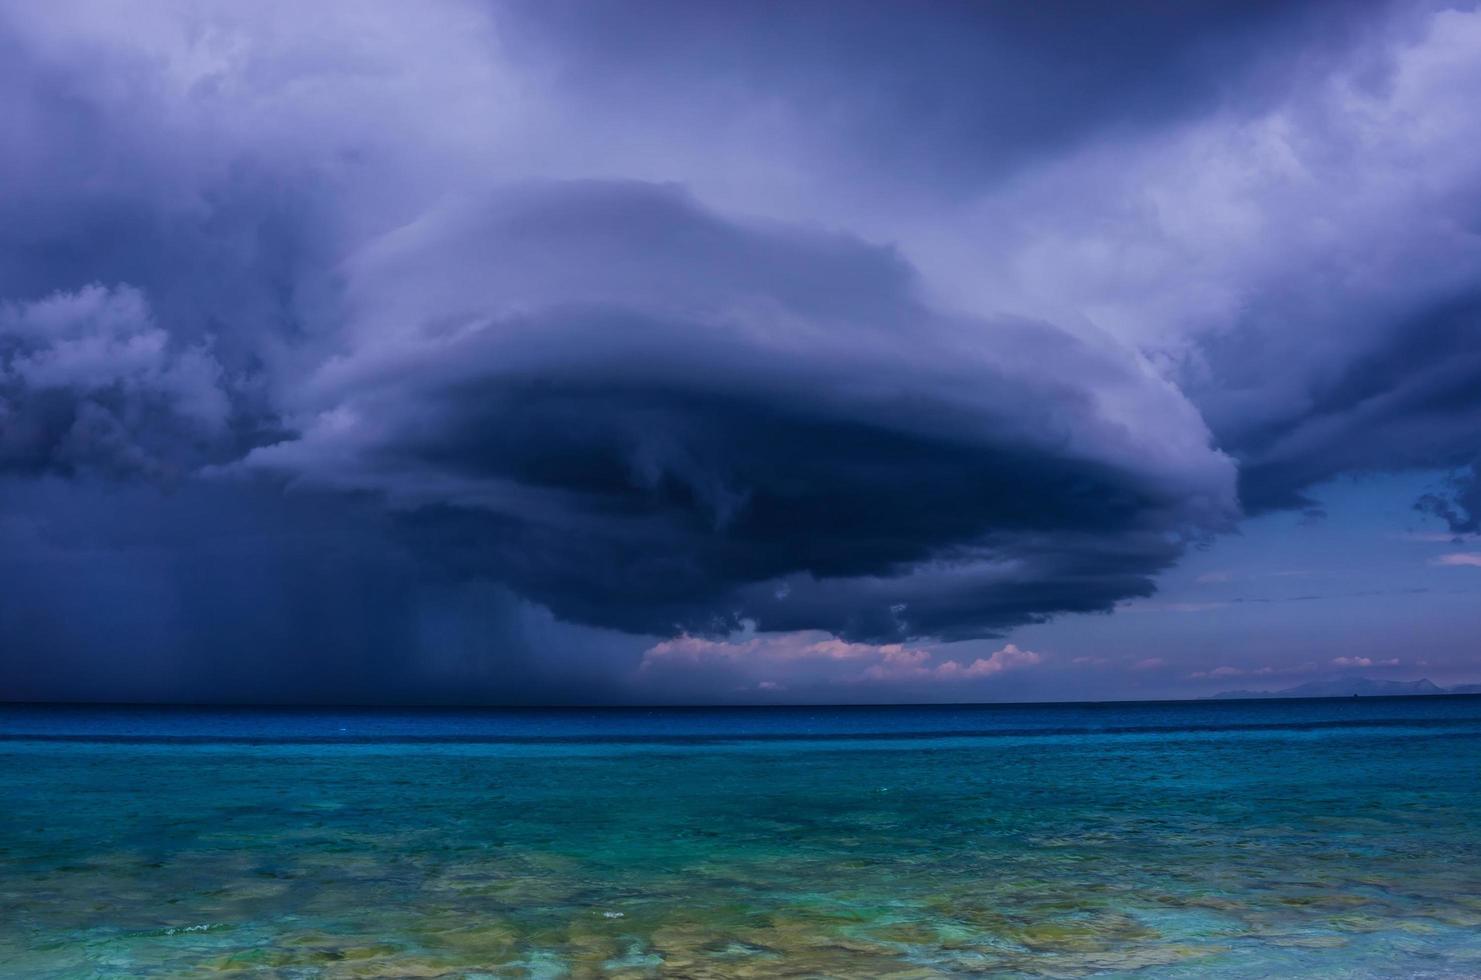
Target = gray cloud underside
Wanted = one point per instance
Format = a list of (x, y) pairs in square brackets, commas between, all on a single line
[(674, 328)]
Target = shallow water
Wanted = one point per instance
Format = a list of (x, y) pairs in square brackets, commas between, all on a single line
[(1314, 839)]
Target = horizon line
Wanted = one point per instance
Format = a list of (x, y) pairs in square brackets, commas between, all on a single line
[(800, 706)]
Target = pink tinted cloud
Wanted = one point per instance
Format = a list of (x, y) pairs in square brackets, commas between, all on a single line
[(1364, 662), (901, 668), (1226, 671), (774, 647), (765, 661), (1221, 672), (1459, 559)]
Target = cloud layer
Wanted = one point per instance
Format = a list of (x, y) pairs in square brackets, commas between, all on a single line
[(647, 416), (700, 321)]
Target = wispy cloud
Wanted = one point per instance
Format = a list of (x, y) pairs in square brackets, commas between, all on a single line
[(1220, 577), (1459, 559), (1170, 607), (1220, 672), (1267, 670)]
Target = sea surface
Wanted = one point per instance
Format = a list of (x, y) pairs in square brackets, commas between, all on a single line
[(1229, 839)]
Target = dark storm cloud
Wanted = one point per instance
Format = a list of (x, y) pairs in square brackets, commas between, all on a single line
[(108, 183), (1305, 267), (148, 266), (1005, 580), (1413, 401), (89, 382), (953, 96), (645, 416), (880, 320), (1459, 503)]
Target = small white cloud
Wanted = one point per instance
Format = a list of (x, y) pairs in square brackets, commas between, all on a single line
[(1219, 672), (1005, 659), (1267, 670), (1459, 559)]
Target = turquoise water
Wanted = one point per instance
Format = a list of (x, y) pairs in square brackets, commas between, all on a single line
[(1255, 839)]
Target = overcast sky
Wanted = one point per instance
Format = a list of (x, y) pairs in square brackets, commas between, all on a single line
[(651, 352)]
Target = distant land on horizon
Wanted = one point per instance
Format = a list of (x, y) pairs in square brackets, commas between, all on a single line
[(1344, 687)]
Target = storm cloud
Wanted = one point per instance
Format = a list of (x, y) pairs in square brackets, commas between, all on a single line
[(878, 323), (90, 383), (654, 418)]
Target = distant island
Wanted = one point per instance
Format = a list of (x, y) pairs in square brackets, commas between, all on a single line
[(1349, 687)]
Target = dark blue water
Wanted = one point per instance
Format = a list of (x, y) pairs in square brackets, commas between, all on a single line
[(1318, 838), (694, 724)]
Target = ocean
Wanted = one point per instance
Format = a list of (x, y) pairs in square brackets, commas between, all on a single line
[(1337, 838)]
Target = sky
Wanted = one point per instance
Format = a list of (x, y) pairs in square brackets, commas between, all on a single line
[(669, 352)]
